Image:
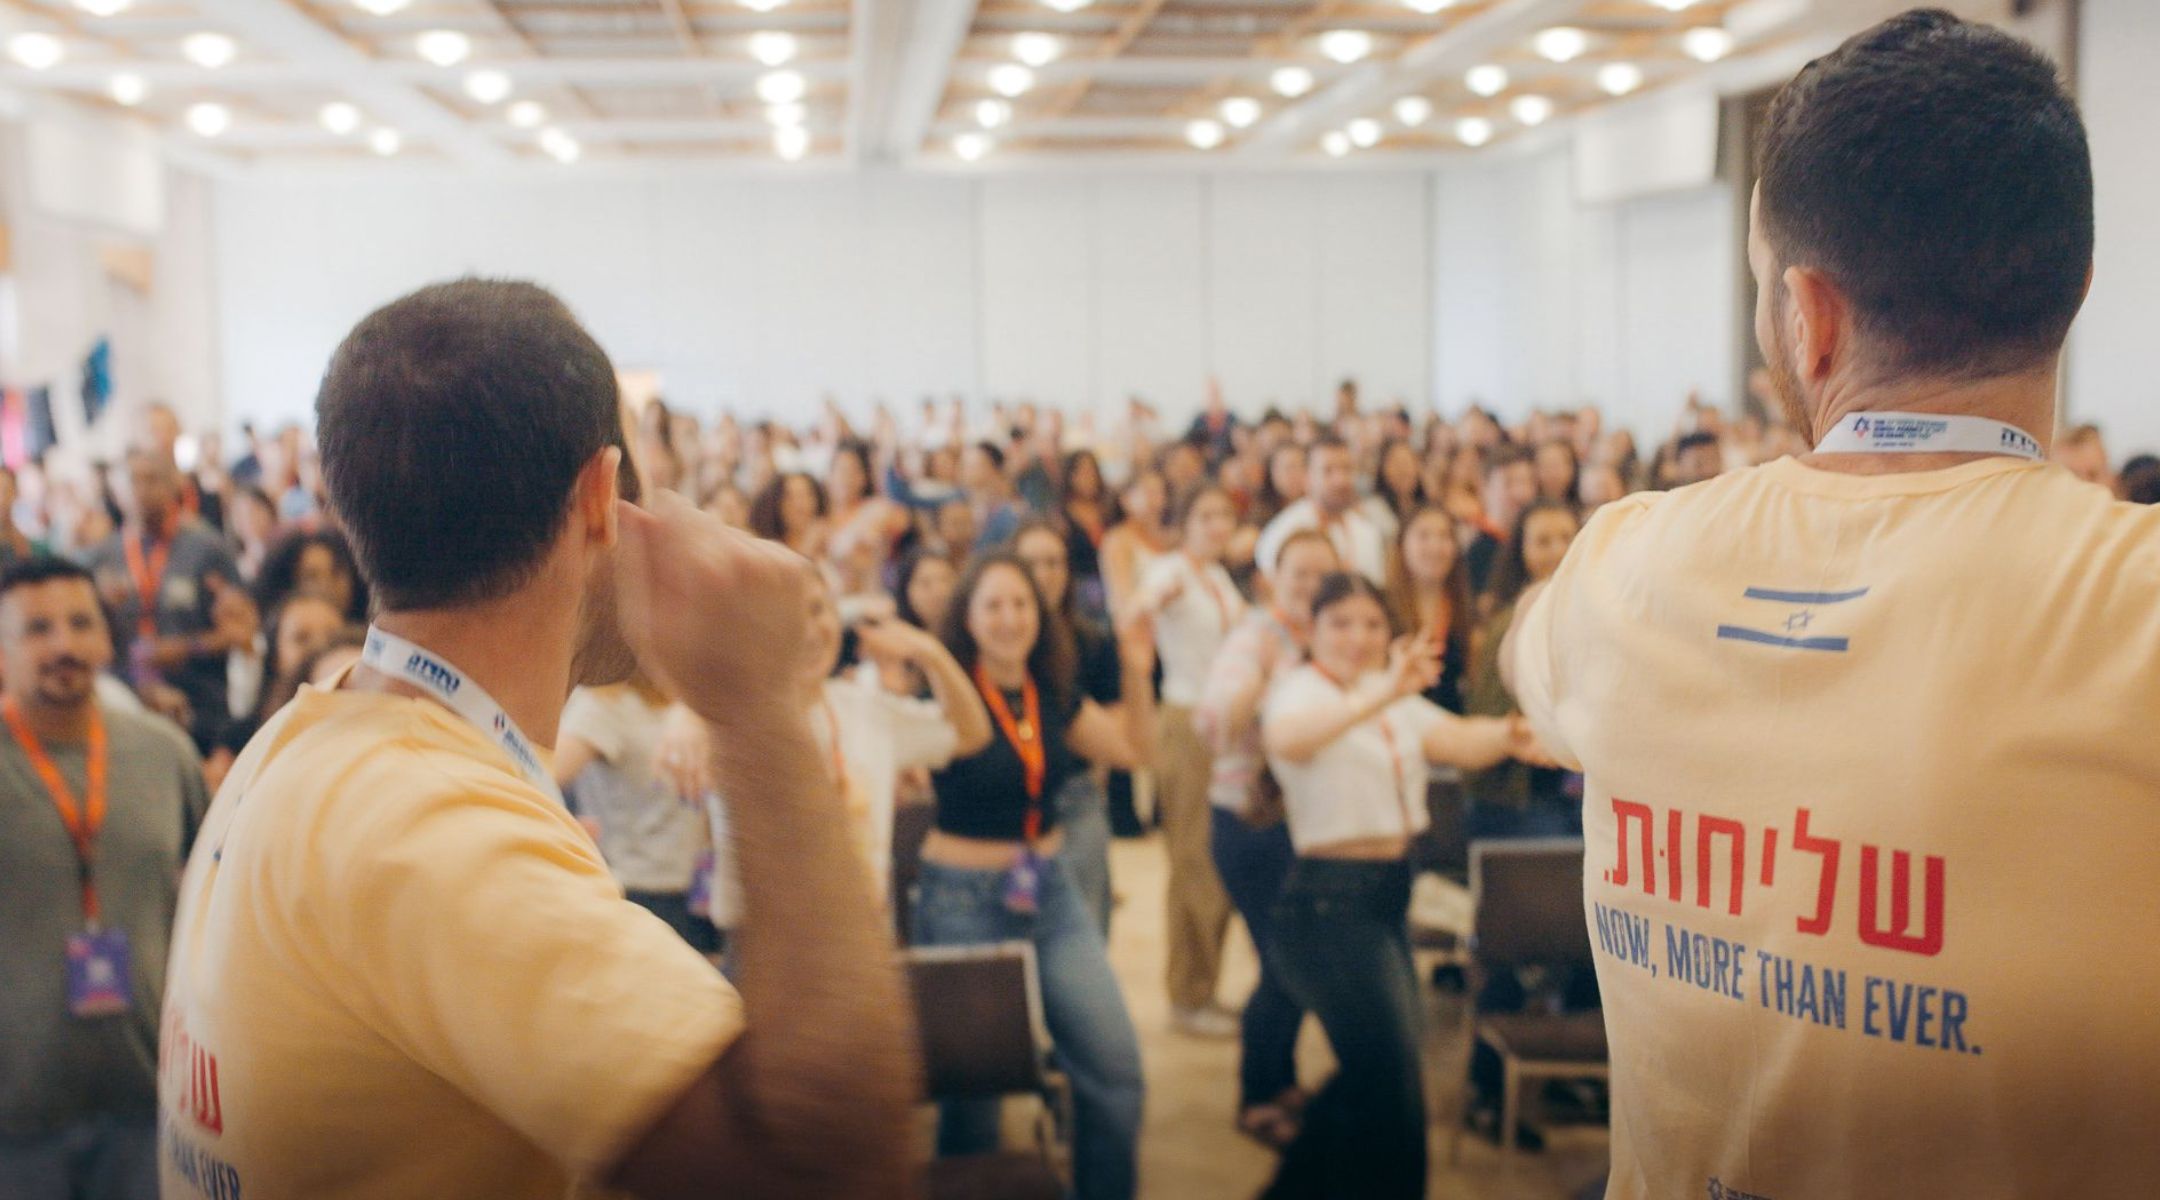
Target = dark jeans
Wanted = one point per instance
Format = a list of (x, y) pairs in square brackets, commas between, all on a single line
[(674, 908), (1083, 812), (1091, 1034), (102, 1158), (1253, 864), (1343, 943)]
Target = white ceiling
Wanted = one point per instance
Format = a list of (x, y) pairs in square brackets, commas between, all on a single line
[(907, 82)]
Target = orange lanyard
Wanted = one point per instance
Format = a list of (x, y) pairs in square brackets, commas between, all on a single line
[(149, 579), (1394, 751), (83, 820), (1026, 736), (839, 760)]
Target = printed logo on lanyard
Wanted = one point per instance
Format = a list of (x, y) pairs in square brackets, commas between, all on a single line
[(400, 659), (1926, 433)]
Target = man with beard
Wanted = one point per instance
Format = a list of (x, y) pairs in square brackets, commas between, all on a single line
[(1868, 734), (400, 967), (97, 809)]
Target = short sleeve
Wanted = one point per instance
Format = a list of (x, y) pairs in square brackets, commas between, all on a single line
[(1245, 653), (922, 737), (1301, 690), (1534, 668), (473, 925), (589, 718), (1417, 717)]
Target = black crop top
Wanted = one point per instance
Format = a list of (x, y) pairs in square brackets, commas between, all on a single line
[(985, 794)]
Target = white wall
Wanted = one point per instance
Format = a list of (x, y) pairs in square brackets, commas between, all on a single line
[(1542, 302), (762, 295), (2112, 375)]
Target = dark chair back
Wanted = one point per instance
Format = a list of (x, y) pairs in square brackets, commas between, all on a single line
[(1529, 897), (911, 828), (981, 1018)]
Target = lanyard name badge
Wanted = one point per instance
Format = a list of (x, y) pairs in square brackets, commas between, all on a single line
[(1925, 433), (98, 962), (400, 659), (1023, 883)]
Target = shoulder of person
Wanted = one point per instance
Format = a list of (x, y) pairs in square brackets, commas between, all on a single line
[(135, 733), (1299, 687)]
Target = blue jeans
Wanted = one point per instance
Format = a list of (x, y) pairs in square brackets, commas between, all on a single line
[(102, 1158), (1344, 944), (1083, 812), (1091, 1034), (1253, 864)]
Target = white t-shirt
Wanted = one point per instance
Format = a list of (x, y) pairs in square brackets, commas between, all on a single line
[(1190, 629), (650, 836), (1872, 807), (1370, 782), (1357, 539), (880, 736)]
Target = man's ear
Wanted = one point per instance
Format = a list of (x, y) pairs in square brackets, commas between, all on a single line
[(1819, 322), (596, 494)]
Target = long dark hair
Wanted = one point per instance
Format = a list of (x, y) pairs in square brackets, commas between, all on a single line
[(765, 510), (1402, 590), (1400, 507), (1105, 495), (1067, 607), (1052, 663), (905, 579), (1511, 574), (856, 449), (1348, 585), (1269, 501), (280, 574)]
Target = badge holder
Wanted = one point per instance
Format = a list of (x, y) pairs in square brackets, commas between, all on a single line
[(1023, 884), (98, 975)]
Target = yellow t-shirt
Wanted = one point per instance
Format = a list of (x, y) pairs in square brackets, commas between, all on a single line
[(1872, 813), (398, 970)]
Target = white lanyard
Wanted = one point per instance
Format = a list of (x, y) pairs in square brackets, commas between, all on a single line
[(1926, 433), (394, 656)]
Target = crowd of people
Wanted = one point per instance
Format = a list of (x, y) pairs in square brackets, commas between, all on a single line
[(1274, 637)]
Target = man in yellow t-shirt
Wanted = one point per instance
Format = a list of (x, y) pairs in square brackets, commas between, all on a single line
[(399, 967), (1872, 792)]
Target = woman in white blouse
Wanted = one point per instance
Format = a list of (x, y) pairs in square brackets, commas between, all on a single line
[(1349, 739), (1195, 603)]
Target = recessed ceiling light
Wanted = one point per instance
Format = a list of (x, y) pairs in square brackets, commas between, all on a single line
[(1068, 6), (763, 6), (488, 86), (386, 141), (1335, 142), (1011, 79), (1291, 81), (991, 114), (1241, 111), (773, 47), (1428, 7), (786, 115), (526, 114), (1618, 79), (128, 88), (1706, 43), (1413, 111), (443, 47), (1530, 110), (782, 87), (1346, 45), (1036, 49), (1473, 131), (209, 120), (209, 50), (1365, 132), (382, 8), (970, 146), (1674, 5), (1561, 43), (1490, 79), (340, 118), (791, 143), (1204, 134), (102, 8), (36, 51), (560, 146)]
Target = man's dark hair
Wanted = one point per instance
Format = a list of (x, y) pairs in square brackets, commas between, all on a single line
[(453, 424), (2141, 480), (1936, 171), (1326, 441), (43, 568), (991, 452), (1696, 441)]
